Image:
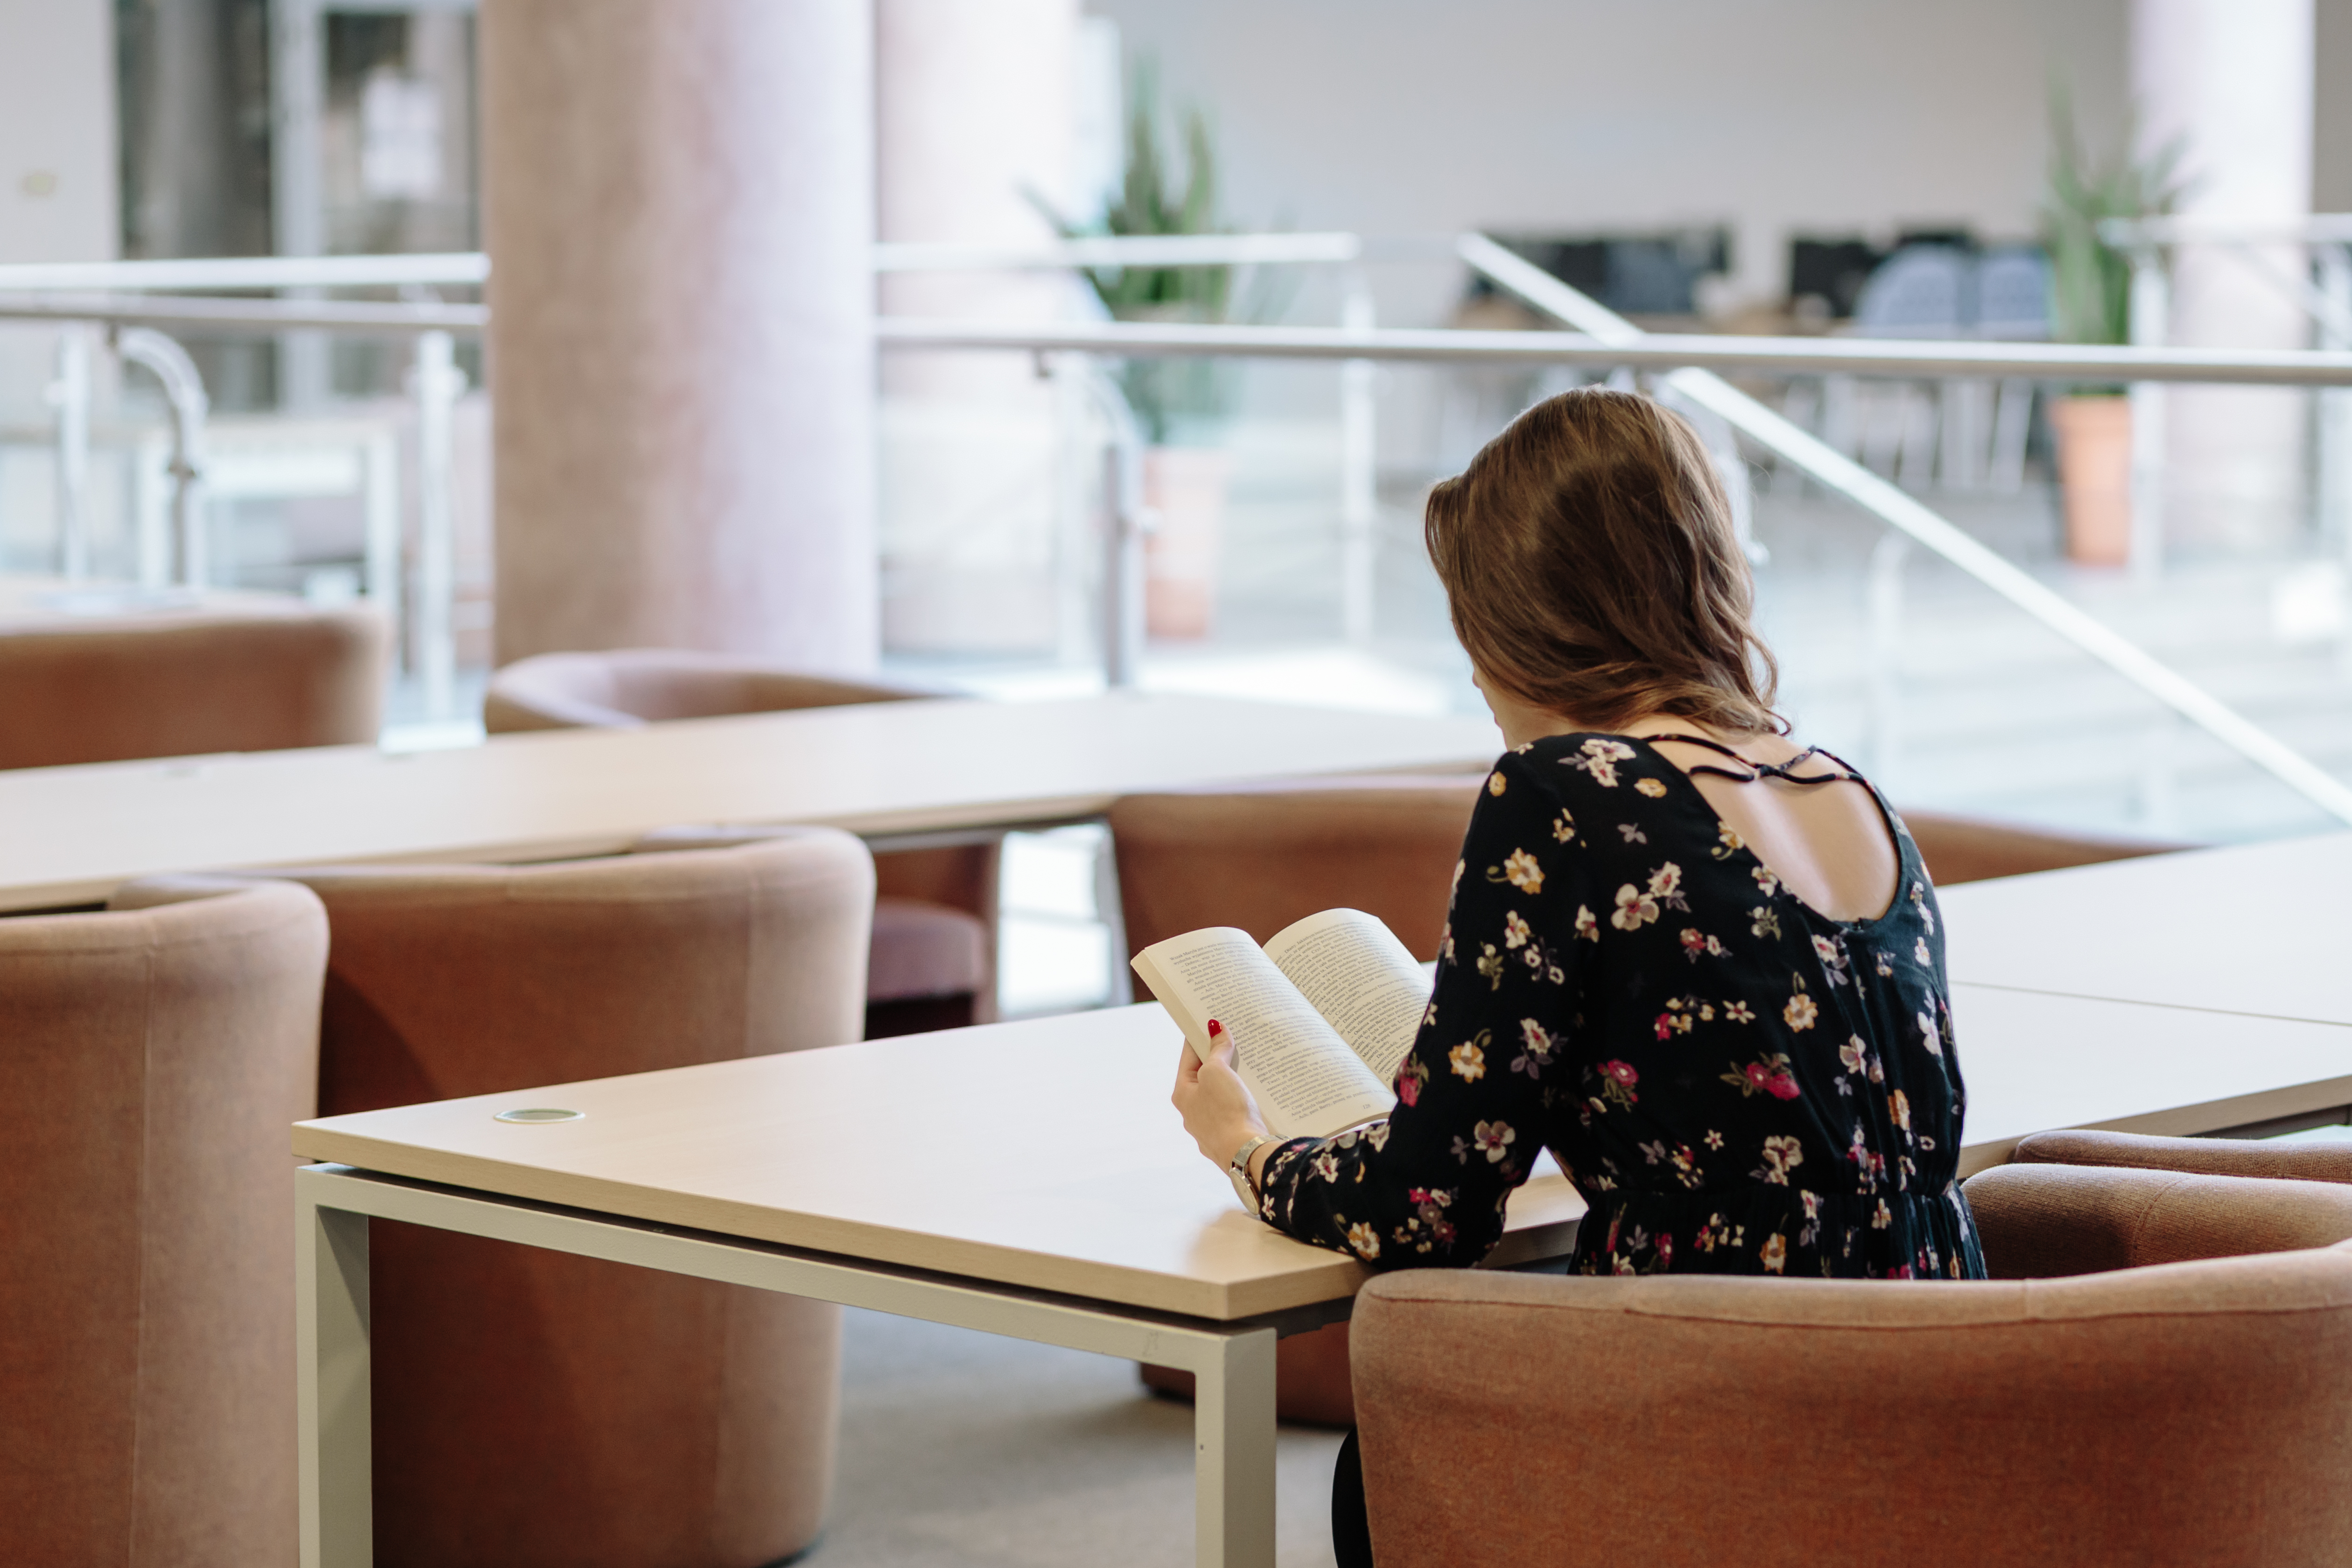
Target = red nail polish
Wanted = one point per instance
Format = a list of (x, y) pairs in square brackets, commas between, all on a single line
[(1215, 1027)]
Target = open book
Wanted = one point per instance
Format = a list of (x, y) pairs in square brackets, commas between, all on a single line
[(1321, 1017)]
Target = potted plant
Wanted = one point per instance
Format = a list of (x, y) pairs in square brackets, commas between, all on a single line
[(1180, 402), (2090, 302)]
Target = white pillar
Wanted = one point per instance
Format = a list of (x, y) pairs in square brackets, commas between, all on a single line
[(678, 205), (973, 110), (2232, 81), (60, 201)]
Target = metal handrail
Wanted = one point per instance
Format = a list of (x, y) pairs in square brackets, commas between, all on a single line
[(1659, 352), (453, 267), (2319, 228), (1891, 505), (1123, 251), (384, 316), (1602, 338), (183, 389), (472, 268)]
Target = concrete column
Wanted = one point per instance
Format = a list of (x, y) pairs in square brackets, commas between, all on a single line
[(678, 207), (2232, 81), (974, 108)]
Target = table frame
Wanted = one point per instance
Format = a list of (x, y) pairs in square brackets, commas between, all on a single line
[(1232, 1362)]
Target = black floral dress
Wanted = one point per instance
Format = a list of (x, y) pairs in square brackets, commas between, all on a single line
[(1734, 1083)]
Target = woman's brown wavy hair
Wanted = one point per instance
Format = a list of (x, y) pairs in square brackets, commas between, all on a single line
[(1592, 569)]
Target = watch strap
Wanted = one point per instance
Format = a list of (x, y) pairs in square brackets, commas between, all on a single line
[(1238, 1168)]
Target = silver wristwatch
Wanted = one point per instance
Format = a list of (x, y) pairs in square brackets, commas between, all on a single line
[(1238, 1168)]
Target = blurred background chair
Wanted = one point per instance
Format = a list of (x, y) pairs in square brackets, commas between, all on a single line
[(934, 958), (1260, 856), (150, 1061), (533, 1408), (176, 683), (1975, 848), (2196, 1414)]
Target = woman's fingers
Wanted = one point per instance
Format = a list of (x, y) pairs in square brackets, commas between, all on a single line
[(1221, 1046), (1189, 1061)]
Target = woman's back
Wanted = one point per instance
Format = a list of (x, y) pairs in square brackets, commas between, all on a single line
[(1821, 828), (1736, 1079)]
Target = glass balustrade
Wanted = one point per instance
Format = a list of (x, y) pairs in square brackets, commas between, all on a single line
[(1283, 558)]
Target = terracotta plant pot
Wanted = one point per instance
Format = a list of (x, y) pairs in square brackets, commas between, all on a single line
[(2095, 461), (1186, 487)]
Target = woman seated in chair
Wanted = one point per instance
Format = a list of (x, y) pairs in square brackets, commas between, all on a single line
[(1698, 963)]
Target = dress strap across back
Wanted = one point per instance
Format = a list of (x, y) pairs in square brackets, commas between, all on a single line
[(1756, 769)]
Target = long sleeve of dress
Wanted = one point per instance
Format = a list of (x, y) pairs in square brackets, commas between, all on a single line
[(1426, 1187)]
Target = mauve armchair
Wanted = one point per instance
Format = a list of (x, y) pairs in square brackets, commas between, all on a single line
[(2192, 1406), (152, 1060), (1959, 849), (538, 1410), (178, 684), (934, 961), (1259, 857)]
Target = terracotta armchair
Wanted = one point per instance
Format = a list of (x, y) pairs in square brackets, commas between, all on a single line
[(1977, 849), (934, 960), (150, 1061), (1260, 856), (178, 684), (533, 1408), (2192, 1407)]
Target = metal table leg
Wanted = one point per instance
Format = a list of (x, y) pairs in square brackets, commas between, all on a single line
[(1232, 1363), (330, 1341), (1232, 1444)]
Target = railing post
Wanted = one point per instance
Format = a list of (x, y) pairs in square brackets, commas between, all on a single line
[(1074, 523), (1884, 621), (2151, 309), (439, 384), (71, 394), (183, 389), (2334, 261), (1125, 526), (1359, 469)]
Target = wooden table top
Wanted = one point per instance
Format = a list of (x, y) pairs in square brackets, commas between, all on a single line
[(2033, 1061), (72, 834), (2257, 929), (1042, 1154)]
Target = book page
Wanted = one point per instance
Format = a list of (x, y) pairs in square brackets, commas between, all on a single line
[(1306, 1078), (1352, 970)]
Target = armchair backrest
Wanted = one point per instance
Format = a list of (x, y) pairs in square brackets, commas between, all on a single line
[(2190, 1414), (152, 1062), (1260, 856), (2278, 1160), (2046, 1221), (182, 685), (452, 980), (625, 688)]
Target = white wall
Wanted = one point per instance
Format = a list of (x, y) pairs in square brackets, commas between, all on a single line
[(1403, 116), (57, 164)]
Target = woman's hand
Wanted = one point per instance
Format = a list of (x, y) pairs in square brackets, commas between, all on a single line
[(1215, 1104)]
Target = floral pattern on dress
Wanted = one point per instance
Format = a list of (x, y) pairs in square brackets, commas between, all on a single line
[(1735, 1086)]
